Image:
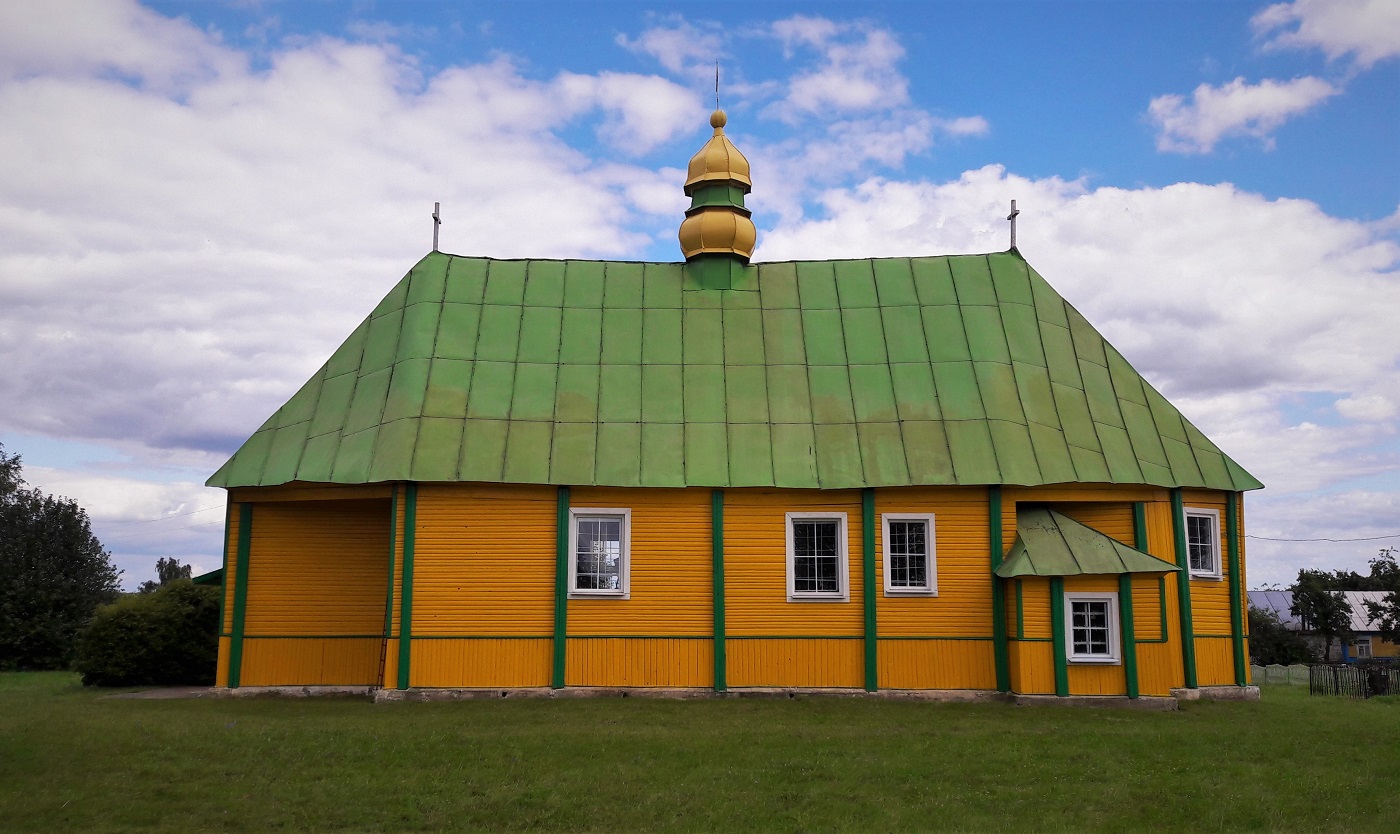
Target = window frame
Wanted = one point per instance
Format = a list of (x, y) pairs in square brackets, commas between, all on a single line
[(1115, 641), (1217, 571), (1369, 651), (930, 586), (843, 566), (624, 591)]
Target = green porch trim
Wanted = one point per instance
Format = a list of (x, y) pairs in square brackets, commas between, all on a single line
[(410, 516), (561, 587), (389, 589), (1125, 614), (1140, 526), (1232, 547), (1033, 639), (1183, 588), (717, 582), (867, 546), (240, 593), (1020, 612), (1003, 656), (1057, 634)]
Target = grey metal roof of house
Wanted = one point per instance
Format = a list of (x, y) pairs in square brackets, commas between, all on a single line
[(1280, 602)]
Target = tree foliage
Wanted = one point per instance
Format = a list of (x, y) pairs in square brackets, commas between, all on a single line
[(167, 571), (1321, 607), (1270, 641), (53, 573), (167, 637), (1385, 573)]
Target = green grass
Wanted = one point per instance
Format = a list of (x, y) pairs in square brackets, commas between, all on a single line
[(72, 762)]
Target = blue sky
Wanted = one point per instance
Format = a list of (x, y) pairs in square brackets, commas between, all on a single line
[(203, 198)]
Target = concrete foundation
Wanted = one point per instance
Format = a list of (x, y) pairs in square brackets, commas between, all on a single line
[(1217, 693)]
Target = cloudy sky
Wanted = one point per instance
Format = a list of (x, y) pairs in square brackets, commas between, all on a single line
[(199, 200)]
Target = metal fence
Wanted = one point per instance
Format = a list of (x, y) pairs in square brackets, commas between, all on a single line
[(1296, 674), (1352, 681)]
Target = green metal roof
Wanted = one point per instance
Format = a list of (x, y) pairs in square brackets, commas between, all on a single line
[(1050, 544), (965, 369)]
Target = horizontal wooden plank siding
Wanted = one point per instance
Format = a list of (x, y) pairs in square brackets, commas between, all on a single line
[(483, 562), (310, 661), (963, 607), (1210, 598), (1215, 661), (640, 661), (671, 591), (1032, 667), (483, 662), (937, 664), (811, 662)]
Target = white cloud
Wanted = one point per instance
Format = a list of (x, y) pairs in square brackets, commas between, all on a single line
[(856, 70), (682, 47), (1369, 407), (1233, 109), (1369, 30)]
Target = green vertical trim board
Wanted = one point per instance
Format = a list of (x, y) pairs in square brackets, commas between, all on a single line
[(1140, 526), (224, 588), (240, 593), (1232, 532), (717, 580), (389, 593), (1003, 659), (561, 587), (1057, 635), (1125, 614), (867, 543), (410, 514), (1183, 588)]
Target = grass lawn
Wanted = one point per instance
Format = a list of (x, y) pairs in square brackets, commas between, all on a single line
[(71, 762)]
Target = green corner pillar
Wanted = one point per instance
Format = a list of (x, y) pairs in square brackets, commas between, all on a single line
[(1057, 635), (1183, 589), (717, 580), (240, 594), (867, 541), (410, 520), (389, 592), (1232, 547), (561, 588), (1129, 638), (999, 641)]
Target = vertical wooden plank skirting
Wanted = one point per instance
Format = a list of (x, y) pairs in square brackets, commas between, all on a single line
[(867, 540), (410, 512), (1232, 534), (1002, 656), (717, 579), (1183, 588), (561, 588), (1129, 635), (1057, 635), (240, 593)]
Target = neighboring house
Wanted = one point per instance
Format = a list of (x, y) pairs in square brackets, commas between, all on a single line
[(924, 473), (1366, 641)]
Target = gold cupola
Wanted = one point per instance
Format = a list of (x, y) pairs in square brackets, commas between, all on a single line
[(717, 225)]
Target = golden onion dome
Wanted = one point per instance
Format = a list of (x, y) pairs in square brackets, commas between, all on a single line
[(718, 161), (718, 231)]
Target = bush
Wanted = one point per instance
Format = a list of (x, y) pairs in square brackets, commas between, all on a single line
[(167, 638), (1271, 643)]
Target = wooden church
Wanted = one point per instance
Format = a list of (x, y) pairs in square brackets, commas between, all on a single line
[(919, 474)]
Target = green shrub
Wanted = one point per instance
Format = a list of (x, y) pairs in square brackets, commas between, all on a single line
[(166, 638)]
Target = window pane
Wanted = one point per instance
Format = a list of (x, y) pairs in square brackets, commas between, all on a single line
[(908, 557), (598, 558), (1090, 628), (816, 556), (1200, 542)]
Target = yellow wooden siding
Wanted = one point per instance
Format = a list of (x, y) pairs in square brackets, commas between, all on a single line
[(1114, 519), (1034, 608), (310, 492), (1210, 598), (1159, 668), (796, 662), (1097, 679), (221, 665), (1032, 667), (230, 576), (1382, 648), (483, 560), (1148, 595), (1082, 493), (639, 661), (937, 664), (317, 569), (389, 675), (671, 588), (963, 607), (485, 662), (310, 661), (1215, 661), (755, 565)]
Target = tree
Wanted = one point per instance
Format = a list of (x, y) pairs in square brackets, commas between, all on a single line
[(53, 573), (167, 637), (1385, 576), (167, 571), (1322, 608), (1270, 641)]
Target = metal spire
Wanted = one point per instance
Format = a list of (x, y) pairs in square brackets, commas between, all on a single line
[(1012, 217), (437, 221)]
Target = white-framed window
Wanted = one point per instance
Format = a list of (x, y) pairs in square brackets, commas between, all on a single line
[(599, 552), (1203, 542), (1363, 648), (817, 568), (910, 556), (1091, 627)]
